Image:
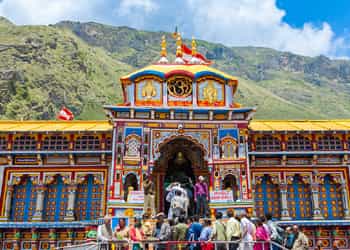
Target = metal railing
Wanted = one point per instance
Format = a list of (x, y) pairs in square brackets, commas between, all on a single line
[(173, 245)]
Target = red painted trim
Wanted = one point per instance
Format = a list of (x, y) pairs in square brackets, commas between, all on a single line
[(179, 72)]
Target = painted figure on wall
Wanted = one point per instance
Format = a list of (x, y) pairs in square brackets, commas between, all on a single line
[(149, 200), (210, 93), (148, 90)]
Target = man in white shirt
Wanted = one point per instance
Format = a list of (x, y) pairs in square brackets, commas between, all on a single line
[(248, 232), (105, 233)]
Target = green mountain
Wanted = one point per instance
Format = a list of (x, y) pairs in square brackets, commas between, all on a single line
[(79, 64)]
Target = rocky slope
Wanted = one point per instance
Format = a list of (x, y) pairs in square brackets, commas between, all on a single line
[(78, 65)]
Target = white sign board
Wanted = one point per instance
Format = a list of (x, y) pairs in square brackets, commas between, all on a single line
[(136, 197), (221, 196)]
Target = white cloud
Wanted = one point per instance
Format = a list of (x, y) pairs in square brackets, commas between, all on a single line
[(129, 7), (258, 23), (46, 11)]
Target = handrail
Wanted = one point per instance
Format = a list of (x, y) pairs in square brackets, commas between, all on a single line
[(115, 243)]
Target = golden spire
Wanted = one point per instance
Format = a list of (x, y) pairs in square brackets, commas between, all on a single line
[(194, 47), (163, 45), (179, 46)]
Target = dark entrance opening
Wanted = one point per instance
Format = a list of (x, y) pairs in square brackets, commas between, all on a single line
[(182, 161)]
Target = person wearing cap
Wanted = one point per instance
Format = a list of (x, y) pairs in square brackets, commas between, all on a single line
[(201, 197), (105, 232), (164, 232)]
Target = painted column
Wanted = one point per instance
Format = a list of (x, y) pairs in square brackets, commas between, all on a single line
[(35, 237), (316, 214), (345, 201), (40, 197), (72, 190), (284, 203), (8, 201)]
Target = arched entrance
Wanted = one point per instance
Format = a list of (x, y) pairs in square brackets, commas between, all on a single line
[(181, 160), (130, 183)]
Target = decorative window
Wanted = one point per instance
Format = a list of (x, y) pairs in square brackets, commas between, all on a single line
[(268, 143), (133, 145), (267, 198), (25, 142), (23, 201), (3, 143), (329, 142), (55, 142), (87, 142), (299, 143), (56, 200), (109, 142), (331, 202), (89, 199), (299, 199), (228, 148), (179, 86)]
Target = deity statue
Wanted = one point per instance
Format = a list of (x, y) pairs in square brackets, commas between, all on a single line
[(148, 90), (210, 93)]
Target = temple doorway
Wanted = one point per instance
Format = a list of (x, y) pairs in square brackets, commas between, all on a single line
[(181, 160)]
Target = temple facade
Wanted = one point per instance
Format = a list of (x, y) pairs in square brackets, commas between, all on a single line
[(178, 121)]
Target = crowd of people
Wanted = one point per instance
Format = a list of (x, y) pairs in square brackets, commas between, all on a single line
[(231, 233)]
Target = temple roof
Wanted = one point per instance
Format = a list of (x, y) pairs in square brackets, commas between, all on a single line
[(164, 70), (255, 125), (52, 126), (300, 125)]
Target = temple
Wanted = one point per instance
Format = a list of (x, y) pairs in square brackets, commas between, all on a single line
[(178, 120)]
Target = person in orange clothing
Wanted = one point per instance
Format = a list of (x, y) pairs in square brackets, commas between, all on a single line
[(137, 234)]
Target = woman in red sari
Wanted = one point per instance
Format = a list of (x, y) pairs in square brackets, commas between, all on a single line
[(262, 237), (136, 234)]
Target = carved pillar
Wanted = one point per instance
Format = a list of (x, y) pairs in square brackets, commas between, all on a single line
[(8, 201), (52, 239), (345, 201), (35, 237), (72, 190), (284, 204), (253, 197), (17, 238), (316, 211), (40, 197)]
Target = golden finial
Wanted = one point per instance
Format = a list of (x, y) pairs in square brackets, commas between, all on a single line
[(194, 47), (179, 46), (163, 45)]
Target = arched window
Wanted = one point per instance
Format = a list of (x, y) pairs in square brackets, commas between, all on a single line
[(56, 200), (87, 142), (55, 142), (25, 142), (299, 199), (230, 183), (131, 183), (329, 142), (3, 143), (267, 198), (331, 202), (23, 201), (88, 199), (268, 143), (299, 143)]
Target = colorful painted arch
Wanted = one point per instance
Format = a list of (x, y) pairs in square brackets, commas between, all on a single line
[(190, 70)]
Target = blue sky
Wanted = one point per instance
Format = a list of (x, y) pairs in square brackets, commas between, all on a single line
[(306, 27)]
